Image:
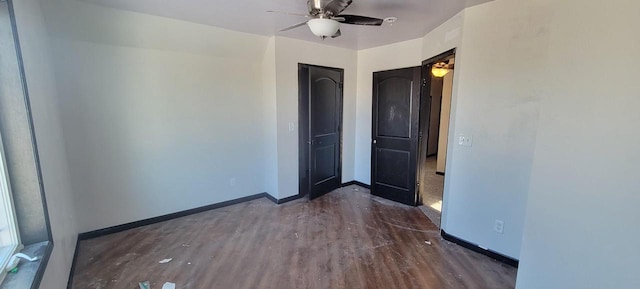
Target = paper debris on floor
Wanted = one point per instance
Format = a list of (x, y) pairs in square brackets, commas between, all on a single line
[(165, 261), (427, 242), (12, 265), (144, 285), (169, 286)]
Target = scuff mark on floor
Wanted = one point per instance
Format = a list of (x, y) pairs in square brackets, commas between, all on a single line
[(407, 228)]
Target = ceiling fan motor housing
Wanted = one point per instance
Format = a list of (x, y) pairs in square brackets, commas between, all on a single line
[(326, 18)]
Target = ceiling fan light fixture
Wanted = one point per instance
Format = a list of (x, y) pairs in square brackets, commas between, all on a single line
[(441, 69), (323, 27), (439, 72)]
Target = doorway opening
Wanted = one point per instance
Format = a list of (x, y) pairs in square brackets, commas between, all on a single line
[(437, 85), (320, 101)]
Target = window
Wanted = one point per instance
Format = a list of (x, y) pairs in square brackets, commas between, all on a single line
[(9, 238)]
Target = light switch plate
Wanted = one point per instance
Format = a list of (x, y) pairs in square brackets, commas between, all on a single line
[(292, 126), (498, 227), (465, 140)]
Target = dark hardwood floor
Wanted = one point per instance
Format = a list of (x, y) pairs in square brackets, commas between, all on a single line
[(346, 239)]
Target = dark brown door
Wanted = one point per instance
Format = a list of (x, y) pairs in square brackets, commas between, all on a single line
[(323, 133), (395, 129)]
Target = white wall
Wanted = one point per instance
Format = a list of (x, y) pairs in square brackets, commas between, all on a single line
[(397, 55), (51, 146), (582, 212), (167, 113), (444, 38), (530, 79), (445, 113), (159, 115), (289, 53), (270, 116), (497, 103)]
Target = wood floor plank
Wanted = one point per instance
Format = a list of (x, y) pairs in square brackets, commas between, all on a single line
[(346, 239)]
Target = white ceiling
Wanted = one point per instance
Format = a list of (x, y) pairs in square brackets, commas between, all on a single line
[(415, 17)]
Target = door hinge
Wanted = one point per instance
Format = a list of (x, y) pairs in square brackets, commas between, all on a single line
[(424, 82)]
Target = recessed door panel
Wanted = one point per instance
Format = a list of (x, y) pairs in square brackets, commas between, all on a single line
[(394, 107), (396, 170), (323, 107), (325, 163)]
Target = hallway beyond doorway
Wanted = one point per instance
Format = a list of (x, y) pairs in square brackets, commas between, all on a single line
[(432, 186)]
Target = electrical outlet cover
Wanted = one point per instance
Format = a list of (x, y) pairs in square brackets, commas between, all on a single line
[(465, 140)]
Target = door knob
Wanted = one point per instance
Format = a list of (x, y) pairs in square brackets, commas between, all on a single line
[(375, 141)]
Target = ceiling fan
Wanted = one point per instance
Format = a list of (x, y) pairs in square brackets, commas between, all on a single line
[(325, 18)]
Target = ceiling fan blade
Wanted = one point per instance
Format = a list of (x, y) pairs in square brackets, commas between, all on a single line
[(288, 13), (294, 26), (337, 6), (338, 34), (360, 20)]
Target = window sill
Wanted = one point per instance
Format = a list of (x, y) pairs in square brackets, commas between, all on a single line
[(29, 274)]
